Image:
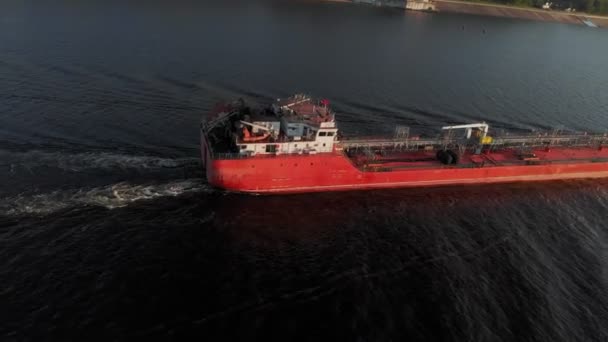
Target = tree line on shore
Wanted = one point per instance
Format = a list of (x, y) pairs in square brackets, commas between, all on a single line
[(587, 6)]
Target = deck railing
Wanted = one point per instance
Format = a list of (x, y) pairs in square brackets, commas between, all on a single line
[(229, 156), (381, 168), (570, 140)]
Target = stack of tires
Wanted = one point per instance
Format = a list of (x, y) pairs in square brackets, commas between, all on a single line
[(447, 157)]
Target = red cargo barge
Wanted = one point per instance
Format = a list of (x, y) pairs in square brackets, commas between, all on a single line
[(294, 146)]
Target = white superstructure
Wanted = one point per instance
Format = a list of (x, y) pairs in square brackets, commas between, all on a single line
[(303, 127)]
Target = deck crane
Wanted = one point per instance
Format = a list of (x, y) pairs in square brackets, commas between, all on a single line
[(247, 136), (469, 128), (255, 126), (483, 139)]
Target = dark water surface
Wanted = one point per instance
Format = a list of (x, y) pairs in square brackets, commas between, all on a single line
[(108, 231)]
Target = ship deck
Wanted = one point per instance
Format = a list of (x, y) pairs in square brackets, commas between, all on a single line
[(396, 160)]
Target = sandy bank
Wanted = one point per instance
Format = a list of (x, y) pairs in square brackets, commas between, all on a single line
[(496, 10), (516, 12)]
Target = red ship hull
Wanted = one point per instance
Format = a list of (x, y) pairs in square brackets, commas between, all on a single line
[(337, 172)]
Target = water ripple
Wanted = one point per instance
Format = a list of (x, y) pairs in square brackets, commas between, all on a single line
[(84, 161), (111, 197)]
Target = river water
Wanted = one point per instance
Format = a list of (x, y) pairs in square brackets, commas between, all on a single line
[(108, 230)]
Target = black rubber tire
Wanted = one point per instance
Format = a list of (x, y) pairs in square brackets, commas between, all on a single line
[(454, 156), (444, 157)]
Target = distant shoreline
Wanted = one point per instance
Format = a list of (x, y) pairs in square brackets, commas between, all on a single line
[(507, 11), (497, 10)]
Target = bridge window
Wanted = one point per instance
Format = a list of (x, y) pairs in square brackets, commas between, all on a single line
[(243, 147), (330, 134), (322, 134)]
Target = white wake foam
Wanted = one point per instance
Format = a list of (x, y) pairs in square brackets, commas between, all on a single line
[(92, 160), (112, 196)]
